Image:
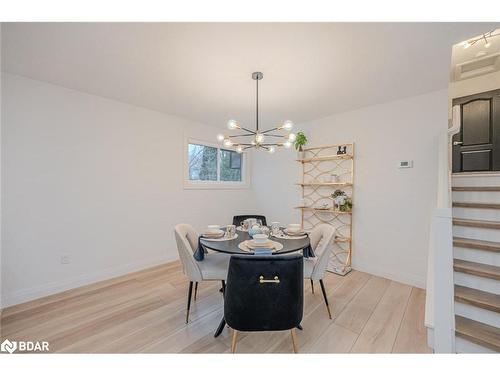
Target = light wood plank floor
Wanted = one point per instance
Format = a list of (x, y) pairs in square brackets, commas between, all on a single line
[(145, 312)]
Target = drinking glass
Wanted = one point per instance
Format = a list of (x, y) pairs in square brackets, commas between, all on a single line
[(230, 231), (258, 222), (275, 228)]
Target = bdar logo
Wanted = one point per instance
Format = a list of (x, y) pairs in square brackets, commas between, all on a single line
[(8, 346)]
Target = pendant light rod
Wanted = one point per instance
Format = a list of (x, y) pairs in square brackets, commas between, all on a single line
[(257, 76)]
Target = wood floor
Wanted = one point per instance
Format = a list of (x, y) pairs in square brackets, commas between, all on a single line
[(145, 312)]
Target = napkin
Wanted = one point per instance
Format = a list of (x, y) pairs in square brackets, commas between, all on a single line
[(262, 251)]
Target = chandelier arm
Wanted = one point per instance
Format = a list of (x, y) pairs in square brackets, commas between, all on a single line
[(240, 135), (269, 130), (276, 135), (247, 130)]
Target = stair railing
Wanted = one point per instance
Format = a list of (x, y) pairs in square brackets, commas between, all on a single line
[(439, 305)]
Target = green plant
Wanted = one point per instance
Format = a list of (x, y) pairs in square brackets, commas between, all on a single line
[(338, 193), (347, 206), (300, 141)]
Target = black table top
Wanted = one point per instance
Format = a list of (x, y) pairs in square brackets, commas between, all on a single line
[(231, 246)]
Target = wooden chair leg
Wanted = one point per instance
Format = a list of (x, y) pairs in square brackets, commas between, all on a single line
[(312, 286), (190, 292), (294, 340), (195, 290), (233, 342), (325, 297)]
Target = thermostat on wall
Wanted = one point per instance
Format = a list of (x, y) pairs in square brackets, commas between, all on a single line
[(406, 164)]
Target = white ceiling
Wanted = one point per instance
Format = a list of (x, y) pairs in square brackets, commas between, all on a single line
[(201, 71)]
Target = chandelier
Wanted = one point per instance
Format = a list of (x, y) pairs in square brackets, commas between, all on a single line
[(267, 140)]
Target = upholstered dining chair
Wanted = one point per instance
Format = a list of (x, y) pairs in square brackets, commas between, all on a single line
[(264, 293), (239, 218), (213, 267), (314, 268)]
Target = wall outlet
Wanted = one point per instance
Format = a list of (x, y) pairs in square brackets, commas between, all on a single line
[(65, 259), (406, 164)]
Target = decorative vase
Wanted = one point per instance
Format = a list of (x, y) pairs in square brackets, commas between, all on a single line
[(301, 154)]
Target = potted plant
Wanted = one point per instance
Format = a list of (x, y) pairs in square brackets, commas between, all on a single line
[(341, 201), (300, 142)]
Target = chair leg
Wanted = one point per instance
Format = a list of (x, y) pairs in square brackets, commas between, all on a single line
[(190, 292), (223, 289), (233, 342), (195, 290), (294, 340), (325, 297), (312, 286)]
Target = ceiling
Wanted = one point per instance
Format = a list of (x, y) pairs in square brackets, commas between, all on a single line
[(201, 71)]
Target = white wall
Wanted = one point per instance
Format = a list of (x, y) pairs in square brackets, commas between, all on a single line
[(392, 207), (97, 180)]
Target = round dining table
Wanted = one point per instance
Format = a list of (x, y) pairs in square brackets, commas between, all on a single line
[(290, 245)]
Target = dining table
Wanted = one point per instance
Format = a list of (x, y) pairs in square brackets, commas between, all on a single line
[(290, 244)]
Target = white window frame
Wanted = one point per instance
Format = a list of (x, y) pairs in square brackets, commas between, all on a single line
[(191, 184)]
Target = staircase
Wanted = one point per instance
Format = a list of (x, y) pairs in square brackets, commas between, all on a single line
[(476, 248)]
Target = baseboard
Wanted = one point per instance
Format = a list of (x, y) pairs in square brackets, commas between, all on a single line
[(403, 278), (28, 294)]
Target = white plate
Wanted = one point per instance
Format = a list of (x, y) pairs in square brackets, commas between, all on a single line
[(221, 238), (243, 246), (213, 234), (286, 237), (294, 234)]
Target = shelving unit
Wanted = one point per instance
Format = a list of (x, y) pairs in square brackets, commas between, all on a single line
[(318, 165)]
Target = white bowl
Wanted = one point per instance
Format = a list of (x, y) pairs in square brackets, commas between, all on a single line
[(213, 228), (260, 238), (293, 227)]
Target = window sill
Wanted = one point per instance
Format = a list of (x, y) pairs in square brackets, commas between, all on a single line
[(215, 186)]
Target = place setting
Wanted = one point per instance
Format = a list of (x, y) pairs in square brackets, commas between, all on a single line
[(215, 233), (290, 232)]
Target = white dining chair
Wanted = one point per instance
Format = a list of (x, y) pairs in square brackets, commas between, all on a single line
[(314, 268), (213, 267)]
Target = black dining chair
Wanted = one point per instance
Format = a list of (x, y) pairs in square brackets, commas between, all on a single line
[(264, 293), (239, 218)]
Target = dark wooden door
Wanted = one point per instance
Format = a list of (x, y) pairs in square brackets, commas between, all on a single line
[(477, 146)]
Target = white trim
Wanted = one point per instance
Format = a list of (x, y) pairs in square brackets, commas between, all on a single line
[(28, 294), (404, 278), (189, 184)]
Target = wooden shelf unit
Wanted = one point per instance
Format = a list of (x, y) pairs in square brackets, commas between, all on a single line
[(317, 163)]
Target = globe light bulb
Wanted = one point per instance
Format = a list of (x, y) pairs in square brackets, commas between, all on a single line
[(487, 45), (232, 124), (272, 149), (220, 137), (292, 137), (288, 125), (287, 144), (239, 149), (227, 142), (259, 138), (466, 45)]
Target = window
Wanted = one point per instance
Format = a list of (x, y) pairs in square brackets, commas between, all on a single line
[(209, 166)]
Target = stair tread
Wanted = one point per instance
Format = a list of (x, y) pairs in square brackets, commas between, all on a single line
[(479, 333), (476, 244), (478, 298), (477, 223), (477, 269), (476, 205), (475, 188)]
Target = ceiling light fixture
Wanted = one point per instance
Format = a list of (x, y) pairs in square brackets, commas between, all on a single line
[(266, 139)]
